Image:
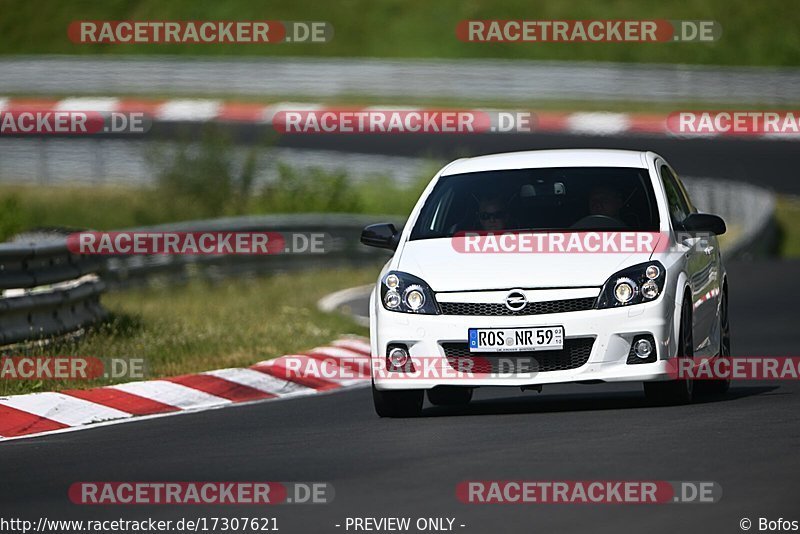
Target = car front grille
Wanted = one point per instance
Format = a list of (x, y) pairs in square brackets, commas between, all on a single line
[(575, 353), (532, 308)]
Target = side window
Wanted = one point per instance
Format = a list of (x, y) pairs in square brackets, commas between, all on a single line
[(677, 203), (685, 195)]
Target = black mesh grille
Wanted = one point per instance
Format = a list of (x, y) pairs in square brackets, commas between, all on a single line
[(575, 353), (532, 308)]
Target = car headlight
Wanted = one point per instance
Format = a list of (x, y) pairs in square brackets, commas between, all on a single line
[(402, 292), (633, 285), (624, 290)]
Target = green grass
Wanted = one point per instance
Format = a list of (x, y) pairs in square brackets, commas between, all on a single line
[(788, 214), (199, 327), (27, 207), (754, 33), (23, 207)]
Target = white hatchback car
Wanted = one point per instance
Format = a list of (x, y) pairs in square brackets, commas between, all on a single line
[(485, 279)]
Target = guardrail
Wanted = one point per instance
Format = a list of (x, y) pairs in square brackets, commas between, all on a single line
[(468, 79), (340, 247), (48, 291)]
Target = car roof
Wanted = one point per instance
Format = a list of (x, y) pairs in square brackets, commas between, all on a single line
[(533, 159)]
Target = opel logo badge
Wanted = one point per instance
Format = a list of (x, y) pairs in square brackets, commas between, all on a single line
[(516, 301)]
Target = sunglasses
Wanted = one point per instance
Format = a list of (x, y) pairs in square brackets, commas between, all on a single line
[(486, 215)]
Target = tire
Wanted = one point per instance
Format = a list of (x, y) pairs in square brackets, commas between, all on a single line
[(719, 387), (450, 396), (405, 403), (673, 392)]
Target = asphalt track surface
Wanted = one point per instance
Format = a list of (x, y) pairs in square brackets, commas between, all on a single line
[(747, 441)]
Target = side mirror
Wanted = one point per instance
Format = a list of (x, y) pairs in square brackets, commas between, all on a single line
[(704, 223), (382, 235)]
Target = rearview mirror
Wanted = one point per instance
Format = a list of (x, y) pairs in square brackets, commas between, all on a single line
[(382, 235), (704, 223)]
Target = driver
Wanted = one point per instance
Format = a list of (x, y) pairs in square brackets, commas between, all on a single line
[(605, 200), (492, 214)]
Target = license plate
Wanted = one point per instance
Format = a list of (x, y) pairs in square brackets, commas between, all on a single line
[(516, 339)]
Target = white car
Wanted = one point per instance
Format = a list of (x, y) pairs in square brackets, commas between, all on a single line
[(513, 314)]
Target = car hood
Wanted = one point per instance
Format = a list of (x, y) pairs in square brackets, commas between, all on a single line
[(445, 269)]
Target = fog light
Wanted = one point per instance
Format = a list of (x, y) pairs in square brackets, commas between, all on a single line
[(643, 348), (397, 357)]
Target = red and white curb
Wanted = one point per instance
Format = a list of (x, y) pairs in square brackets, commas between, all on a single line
[(44, 413), (205, 110)]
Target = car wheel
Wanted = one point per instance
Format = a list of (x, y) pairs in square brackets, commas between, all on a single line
[(404, 403), (671, 392), (719, 387), (450, 396)]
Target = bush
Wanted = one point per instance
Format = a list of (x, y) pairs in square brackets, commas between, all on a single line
[(308, 190), (203, 179)]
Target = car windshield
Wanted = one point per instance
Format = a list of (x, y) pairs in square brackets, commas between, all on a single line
[(549, 199)]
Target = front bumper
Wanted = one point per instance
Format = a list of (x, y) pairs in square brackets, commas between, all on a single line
[(612, 332)]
